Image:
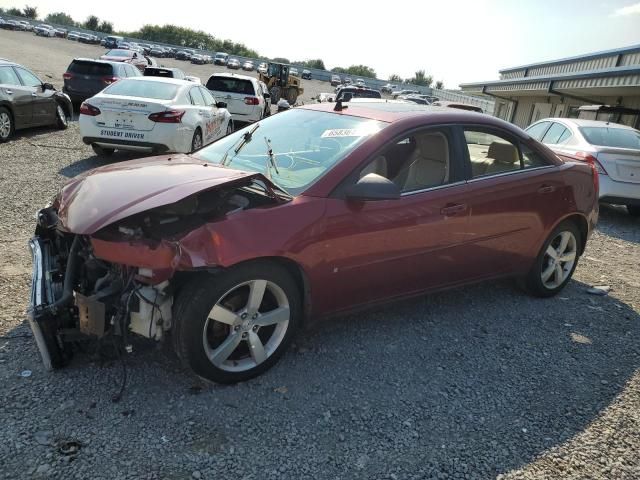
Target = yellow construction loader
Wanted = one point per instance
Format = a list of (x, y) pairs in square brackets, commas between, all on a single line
[(281, 84)]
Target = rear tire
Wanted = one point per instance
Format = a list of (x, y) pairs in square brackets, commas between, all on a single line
[(213, 313), (102, 151), (292, 96), (556, 262), (633, 210), (7, 126)]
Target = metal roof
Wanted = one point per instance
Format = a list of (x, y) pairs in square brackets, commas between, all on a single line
[(603, 72), (587, 56)]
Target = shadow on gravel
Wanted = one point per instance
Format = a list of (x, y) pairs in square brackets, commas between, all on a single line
[(616, 222), (478, 380), (81, 166)]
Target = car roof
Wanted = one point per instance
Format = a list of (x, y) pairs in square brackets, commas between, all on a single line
[(6, 62), (581, 122), (174, 81), (96, 60), (234, 75)]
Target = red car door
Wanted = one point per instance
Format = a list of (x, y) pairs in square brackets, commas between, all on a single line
[(376, 250), (511, 189)]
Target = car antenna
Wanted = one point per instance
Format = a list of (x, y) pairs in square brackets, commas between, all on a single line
[(339, 107)]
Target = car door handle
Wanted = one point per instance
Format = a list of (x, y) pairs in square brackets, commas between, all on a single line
[(546, 189), (453, 209)]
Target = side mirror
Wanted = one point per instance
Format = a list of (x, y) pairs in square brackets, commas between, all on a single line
[(373, 187), (47, 86), (221, 104)]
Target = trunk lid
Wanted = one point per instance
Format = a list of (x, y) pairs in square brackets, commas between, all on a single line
[(233, 92), (621, 164), (107, 194), (127, 113)]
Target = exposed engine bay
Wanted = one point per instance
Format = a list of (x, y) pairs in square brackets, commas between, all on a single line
[(78, 297)]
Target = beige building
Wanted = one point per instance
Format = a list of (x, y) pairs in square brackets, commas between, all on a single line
[(558, 88)]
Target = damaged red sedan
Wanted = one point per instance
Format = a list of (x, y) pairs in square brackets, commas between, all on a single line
[(312, 212)]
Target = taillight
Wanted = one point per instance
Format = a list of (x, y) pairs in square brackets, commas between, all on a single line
[(110, 80), (169, 116), (67, 76), (88, 109), (251, 100), (587, 157)]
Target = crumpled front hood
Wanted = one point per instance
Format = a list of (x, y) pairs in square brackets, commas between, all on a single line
[(107, 194)]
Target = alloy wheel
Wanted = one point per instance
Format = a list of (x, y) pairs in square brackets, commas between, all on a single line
[(197, 141), (246, 325), (5, 125), (559, 259), (62, 116)]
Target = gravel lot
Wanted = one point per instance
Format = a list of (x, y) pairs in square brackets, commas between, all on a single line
[(480, 382)]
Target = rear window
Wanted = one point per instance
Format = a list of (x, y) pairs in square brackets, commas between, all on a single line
[(360, 93), (612, 137), (231, 85), (143, 89), (90, 68), (158, 72), (118, 53)]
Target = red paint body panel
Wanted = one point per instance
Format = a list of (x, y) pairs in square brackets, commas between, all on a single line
[(351, 253)]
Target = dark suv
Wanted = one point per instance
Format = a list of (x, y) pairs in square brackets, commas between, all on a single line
[(25, 101), (84, 77)]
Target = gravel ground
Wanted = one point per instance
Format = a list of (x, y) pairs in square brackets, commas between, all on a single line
[(479, 382)]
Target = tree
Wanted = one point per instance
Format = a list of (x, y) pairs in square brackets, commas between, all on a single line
[(60, 18), (422, 79), (30, 12), (16, 12), (316, 63), (339, 70), (439, 84), (395, 78), (361, 71), (105, 27), (92, 22)]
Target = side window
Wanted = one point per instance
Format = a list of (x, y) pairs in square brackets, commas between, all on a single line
[(8, 76), (531, 158), (196, 97), (491, 154), (133, 71), (553, 135), (538, 130), (419, 161), (565, 137), (28, 78), (208, 98), (123, 70)]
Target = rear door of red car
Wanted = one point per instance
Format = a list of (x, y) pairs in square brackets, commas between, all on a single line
[(375, 250), (512, 193)]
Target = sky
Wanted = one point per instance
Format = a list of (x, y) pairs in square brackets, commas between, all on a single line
[(456, 41)]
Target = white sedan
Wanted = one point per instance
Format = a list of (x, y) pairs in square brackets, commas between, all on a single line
[(153, 115)]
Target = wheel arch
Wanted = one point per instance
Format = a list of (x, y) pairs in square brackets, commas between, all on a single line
[(581, 223)]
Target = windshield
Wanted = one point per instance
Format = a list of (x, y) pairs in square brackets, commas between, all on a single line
[(612, 137), (305, 144), (143, 89)]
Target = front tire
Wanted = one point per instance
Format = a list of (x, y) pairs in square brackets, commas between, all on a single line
[(102, 151), (61, 117), (234, 326), (555, 263), (633, 210), (196, 141), (7, 126)]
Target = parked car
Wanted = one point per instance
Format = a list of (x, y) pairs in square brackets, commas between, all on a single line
[(248, 66), (388, 88), (75, 35), (168, 115), (198, 59), (85, 77), (360, 82), (89, 39), (112, 41), (347, 81), (185, 54), (61, 33), (157, 52), (221, 58), (165, 72), (306, 74), (243, 95), (294, 72), (146, 48), (26, 26), (458, 105), (262, 68), (11, 25), (44, 30), (207, 58), (26, 101), (128, 56), (612, 148), (267, 98), (233, 248), (345, 94), (335, 80), (397, 93), (233, 64), (414, 99)]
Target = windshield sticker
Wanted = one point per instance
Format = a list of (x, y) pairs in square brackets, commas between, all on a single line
[(345, 132)]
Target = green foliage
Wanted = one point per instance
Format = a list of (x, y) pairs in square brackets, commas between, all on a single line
[(92, 22), (280, 60), (60, 18), (188, 38), (395, 78), (30, 12), (105, 27), (356, 71), (16, 12), (339, 70), (422, 79), (439, 84), (316, 63)]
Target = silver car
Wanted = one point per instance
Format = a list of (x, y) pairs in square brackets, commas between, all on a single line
[(612, 148)]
